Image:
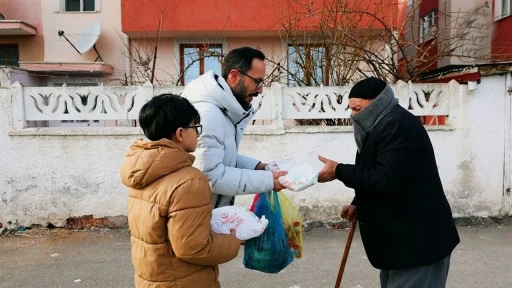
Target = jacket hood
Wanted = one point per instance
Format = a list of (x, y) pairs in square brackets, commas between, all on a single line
[(147, 161), (213, 89)]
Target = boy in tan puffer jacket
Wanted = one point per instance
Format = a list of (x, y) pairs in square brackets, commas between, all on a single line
[(169, 204)]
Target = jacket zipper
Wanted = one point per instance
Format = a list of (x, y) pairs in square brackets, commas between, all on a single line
[(217, 203), (236, 142), (219, 196)]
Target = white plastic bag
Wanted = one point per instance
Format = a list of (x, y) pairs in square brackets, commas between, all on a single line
[(247, 224), (300, 175)]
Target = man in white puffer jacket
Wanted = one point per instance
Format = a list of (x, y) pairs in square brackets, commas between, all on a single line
[(224, 104)]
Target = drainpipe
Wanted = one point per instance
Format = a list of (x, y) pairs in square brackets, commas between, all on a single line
[(128, 58), (506, 207), (509, 83)]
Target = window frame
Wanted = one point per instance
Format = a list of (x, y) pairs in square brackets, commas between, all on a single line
[(4, 54), (430, 17), (60, 7), (502, 9), (308, 75), (181, 45)]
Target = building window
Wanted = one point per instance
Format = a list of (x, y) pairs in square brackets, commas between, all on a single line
[(196, 59), (9, 55), (428, 26), (503, 8), (308, 65), (77, 5)]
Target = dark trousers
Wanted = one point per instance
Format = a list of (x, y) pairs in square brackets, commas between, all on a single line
[(429, 276)]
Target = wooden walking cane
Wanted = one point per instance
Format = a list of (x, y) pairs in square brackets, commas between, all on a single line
[(345, 253)]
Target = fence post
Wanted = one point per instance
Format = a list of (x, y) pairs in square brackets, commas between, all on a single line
[(457, 103), (18, 108), (148, 89), (402, 93), (276, 96)]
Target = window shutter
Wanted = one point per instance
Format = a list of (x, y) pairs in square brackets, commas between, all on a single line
[(59, 5), (97, 5)]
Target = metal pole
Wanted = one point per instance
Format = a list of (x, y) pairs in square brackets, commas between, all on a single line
[(61, 33)]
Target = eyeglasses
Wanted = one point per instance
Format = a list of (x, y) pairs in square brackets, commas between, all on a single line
[(259, 83), (199, 128)]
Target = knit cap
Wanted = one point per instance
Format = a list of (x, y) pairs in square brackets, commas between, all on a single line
[(368, 88)]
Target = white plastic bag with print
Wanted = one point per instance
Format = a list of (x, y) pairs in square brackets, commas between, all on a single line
[(300, 175), (246, 224)]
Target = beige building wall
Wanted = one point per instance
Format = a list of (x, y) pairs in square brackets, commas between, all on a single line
[(474, 19), (110, 43), (31, 48), (142, 51)]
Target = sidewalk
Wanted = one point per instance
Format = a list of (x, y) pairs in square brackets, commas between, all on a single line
[(101, 258)]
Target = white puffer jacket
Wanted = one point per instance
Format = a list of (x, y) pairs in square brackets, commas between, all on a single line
[(224, 121)]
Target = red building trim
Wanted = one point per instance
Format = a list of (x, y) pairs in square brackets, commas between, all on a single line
[(264, 17), (502, 40)]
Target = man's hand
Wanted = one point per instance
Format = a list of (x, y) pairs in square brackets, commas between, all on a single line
[(277, 185), (261, 166), (328, 172), (349, 212)]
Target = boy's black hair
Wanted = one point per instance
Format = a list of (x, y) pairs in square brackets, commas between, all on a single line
[(240, 59), (164, 114)]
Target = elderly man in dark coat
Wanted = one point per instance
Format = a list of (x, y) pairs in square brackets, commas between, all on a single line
[(404, 217)]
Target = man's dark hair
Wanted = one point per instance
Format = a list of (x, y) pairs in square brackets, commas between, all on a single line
[(240, 59), (164, 114)]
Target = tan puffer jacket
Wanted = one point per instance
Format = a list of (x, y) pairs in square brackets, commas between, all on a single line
[(169, 213)]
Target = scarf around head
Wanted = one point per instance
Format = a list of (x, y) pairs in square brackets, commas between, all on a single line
[(364, 121)]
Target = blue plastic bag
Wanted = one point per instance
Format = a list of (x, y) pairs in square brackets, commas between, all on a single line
[(268, 252)]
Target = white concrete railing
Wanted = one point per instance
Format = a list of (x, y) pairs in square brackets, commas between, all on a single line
[(277, 103)]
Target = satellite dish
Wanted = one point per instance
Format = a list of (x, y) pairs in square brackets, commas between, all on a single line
[(86, 39)]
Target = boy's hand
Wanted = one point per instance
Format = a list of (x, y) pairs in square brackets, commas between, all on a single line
[(233, 232)]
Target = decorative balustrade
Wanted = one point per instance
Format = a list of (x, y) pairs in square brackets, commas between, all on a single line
[(277, 103), (83, 103)]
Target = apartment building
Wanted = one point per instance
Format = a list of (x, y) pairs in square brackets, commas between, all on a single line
[(51, 42), (459, 39)]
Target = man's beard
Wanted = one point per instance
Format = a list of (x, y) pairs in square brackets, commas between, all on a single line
[(240, 92)]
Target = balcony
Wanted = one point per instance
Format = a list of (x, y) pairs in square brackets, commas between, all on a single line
[(76, 69), (16, 28)]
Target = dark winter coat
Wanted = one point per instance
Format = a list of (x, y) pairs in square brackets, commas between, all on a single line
[(404, 217)]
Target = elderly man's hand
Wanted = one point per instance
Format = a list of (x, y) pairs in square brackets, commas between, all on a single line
[(349, 212), (328, 172)]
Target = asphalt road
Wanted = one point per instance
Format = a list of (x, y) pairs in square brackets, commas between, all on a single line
[(101, 258)]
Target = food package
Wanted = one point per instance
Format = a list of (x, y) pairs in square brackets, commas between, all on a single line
[(300, 175), (245, 222)]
